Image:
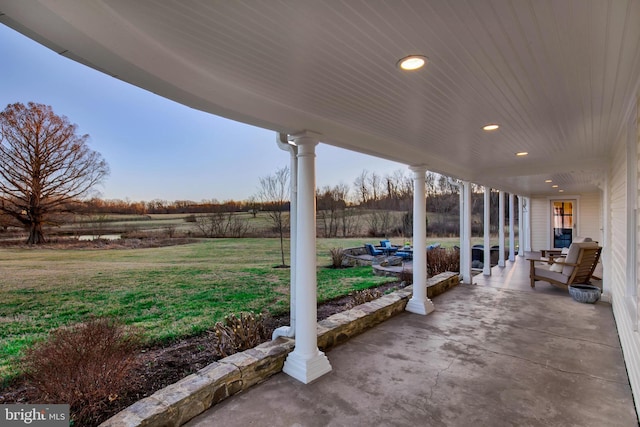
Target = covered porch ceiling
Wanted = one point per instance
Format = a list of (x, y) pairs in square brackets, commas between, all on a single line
[(559, 76)]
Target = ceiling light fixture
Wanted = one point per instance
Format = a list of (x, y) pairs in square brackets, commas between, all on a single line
[(412, 62), (522, 153), (548, 180), (560, 191), (554, 186), (490, 127)]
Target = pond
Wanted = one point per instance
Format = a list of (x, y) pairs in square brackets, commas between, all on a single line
[(100, 236)]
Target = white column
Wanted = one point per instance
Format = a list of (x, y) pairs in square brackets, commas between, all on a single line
[(521, 227), (512, 242), (419, 303), (501, 262), (486, 268), (306, 363), (463, 260), (527, 224), (465, 249), (283, 143)]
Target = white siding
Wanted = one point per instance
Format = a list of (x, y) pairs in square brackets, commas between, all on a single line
[(590, 216), (539, 223), (616, 256), (589, 219)]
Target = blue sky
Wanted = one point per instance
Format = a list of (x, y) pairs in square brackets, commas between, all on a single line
[(156, 148)]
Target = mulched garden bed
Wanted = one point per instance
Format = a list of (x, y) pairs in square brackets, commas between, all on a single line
[(163, 365)]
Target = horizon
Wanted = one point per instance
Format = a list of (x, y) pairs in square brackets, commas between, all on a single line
[(158, 149)]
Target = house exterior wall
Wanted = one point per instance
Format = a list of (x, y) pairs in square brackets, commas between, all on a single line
[(623, 237), (539, 223), (589, 223)]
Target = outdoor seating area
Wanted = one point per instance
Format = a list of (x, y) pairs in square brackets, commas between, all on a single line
[(386, 248), (576, 267), (477, 255)]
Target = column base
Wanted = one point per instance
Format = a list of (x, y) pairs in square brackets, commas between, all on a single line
[(306, 370), (420, 307)]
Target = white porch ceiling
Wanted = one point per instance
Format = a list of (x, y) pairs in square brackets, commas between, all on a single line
[(560, 76)]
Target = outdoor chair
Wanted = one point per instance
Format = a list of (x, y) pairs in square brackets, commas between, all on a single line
[(373, 251), (576, 268), (387, 247), (553, 253)]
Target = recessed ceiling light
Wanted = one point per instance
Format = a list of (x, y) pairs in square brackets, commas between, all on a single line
[(412, 62), (522, 153), (491, 126), (554, 186), (548, 180), (560, 191)]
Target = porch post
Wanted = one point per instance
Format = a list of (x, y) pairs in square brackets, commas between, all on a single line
[(501, 262), (306, 363), (512, 242), (419, 303), (465, 249), (486, 265), (521, 227), (527, 224)]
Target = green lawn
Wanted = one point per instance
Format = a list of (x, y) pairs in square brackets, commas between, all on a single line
[(169, 292)]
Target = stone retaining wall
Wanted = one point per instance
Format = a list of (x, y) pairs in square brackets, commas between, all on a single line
[(176, 404)]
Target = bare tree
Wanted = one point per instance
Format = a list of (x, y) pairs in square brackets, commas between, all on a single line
[(274, 195), (362, 187), (44, 166), (375, 186), (331, 204)]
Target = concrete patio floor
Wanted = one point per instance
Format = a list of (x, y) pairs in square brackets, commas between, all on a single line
[(496, 353)]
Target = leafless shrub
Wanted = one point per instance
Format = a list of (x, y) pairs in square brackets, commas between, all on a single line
[(406, 276), (365, 295), (236, 334), (171, 230), (337, 257), (379, 223), (440, 260), (350, 223), (222, 224), (87, 366)]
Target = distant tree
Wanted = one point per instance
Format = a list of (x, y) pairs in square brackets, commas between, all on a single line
[(274, 195), (362, 187), (253, 205), (331, 205), (44, 166)]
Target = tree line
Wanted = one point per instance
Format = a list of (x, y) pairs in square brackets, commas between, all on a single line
[(48, 174)]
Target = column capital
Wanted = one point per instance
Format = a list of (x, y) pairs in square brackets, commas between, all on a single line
[(305, 137), (417, 169)]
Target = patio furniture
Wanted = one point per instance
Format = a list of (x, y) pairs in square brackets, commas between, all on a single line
[(405, 253), (553, 253), (387, 247), (576, 268), (373, 251), (477, 253)]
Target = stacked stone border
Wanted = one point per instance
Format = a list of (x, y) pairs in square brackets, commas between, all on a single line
[(176, 404)]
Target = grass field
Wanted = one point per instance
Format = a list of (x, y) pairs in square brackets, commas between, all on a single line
[(169, 292)]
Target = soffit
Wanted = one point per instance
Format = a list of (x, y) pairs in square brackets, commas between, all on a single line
[(558, 76)]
